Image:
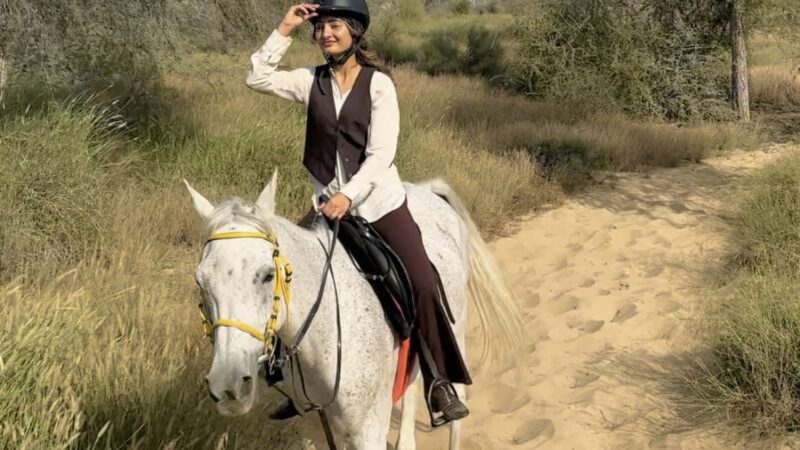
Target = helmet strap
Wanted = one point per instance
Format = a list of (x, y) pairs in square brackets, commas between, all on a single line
[(334, 61)]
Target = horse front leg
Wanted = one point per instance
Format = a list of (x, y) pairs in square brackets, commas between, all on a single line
[(408, 421), (373, 434)]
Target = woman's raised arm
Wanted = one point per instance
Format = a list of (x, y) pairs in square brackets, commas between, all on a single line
[(264, 76)]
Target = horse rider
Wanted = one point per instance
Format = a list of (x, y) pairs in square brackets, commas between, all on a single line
[(352, 127)]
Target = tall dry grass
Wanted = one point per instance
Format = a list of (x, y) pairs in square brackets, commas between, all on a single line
[(501, 122), (775, 86), (752, 325)]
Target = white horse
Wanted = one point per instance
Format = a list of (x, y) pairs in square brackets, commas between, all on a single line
[(236, 276)]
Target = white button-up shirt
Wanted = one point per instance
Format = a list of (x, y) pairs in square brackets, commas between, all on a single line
[(375, 189)]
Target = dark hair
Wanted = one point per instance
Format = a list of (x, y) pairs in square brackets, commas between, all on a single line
[(364, 55)]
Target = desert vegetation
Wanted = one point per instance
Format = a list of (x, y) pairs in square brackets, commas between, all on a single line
[(105, 106), (751, 320)]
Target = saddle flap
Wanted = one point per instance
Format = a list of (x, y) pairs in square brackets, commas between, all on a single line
[(383, 269)]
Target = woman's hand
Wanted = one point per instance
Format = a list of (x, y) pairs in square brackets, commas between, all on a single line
[(336, 207), (295, 17)]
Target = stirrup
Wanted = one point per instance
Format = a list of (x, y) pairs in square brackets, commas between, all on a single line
[(443, 417)]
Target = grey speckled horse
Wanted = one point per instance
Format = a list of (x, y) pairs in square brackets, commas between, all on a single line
[(236, 276)]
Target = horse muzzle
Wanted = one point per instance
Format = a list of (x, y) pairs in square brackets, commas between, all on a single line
[(233, 392)]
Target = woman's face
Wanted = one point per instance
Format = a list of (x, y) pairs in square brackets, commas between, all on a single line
[(332, 35)]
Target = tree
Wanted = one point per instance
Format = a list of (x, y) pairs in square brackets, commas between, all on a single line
[(774, 16), (740, 94)]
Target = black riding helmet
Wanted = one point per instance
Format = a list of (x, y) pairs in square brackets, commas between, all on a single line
[(356, 9)]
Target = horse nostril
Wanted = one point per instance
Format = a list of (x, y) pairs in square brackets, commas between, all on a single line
[(211, 393), (230, 395), (247, 385)]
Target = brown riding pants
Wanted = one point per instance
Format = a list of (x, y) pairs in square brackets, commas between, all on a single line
[(402, 234)]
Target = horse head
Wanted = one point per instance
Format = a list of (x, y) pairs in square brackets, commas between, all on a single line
[(237, 274)]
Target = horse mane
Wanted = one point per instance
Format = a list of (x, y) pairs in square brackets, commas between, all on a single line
[(235, 211)]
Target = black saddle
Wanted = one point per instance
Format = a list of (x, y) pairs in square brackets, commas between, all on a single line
[(383, 269)]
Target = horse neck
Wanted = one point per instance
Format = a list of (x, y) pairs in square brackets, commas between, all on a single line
[(303, 250)]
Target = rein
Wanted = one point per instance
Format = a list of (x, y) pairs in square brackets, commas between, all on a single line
[(281, 290)]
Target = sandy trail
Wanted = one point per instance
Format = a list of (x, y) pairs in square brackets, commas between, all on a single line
[(607, 286)]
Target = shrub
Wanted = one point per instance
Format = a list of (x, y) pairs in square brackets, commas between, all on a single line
[(118, 49), (620, 56), (469, 51), (407, 10), (460, 6)]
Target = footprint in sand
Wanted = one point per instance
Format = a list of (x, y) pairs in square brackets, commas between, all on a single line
[(624, 313), (663, 242), (668, 306), (564, 275), (584, 397), (652, 272), (592, 326), (533, 433), (565, 305), (532, 300), (589, 282), (587, 327), (662, 331), (506, 399), (583, 379), (634, 239)]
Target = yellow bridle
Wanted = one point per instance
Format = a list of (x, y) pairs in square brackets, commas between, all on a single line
[(281, 290)]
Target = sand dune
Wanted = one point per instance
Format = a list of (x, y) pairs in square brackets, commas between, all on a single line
[(607, 285)]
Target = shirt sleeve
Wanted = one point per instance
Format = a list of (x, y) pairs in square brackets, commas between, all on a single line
[(381, 140), (264, 76)]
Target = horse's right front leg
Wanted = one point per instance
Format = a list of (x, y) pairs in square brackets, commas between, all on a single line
[(408, 419)]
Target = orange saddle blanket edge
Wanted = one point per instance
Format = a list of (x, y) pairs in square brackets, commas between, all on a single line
[(405, 367)]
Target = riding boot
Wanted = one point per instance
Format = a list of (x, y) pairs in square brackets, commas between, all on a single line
[(284, 412), (444, 400)]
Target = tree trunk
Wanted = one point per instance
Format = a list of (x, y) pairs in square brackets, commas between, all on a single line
[(3, 81), (741, 94), (3, 76)]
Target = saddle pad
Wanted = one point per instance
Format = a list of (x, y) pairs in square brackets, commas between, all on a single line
[(405, 368)]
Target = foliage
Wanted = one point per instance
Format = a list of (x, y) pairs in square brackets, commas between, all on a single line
[(118, 50), (471, 51), (626, 56)]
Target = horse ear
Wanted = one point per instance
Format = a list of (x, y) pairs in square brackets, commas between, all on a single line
[(201, 205), (265, 205)]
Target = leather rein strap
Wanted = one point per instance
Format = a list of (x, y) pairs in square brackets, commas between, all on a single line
[(294, 350)]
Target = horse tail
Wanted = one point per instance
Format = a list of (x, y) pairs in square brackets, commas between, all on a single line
[(504, 336)]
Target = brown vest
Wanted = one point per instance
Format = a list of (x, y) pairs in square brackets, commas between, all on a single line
[(325, 135)]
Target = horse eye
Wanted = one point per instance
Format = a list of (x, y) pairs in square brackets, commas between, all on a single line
[(268, 277)]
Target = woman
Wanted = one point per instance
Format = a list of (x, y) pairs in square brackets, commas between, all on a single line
[(351, 139)]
